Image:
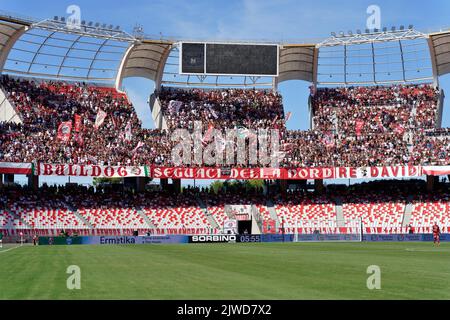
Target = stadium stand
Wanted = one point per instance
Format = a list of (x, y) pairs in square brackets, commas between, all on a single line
[(353, 126), (379, 206), (304, 211), (228, 108), (349, 124), (428, 209)]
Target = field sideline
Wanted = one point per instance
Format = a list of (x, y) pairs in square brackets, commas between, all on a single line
[(227, 271)]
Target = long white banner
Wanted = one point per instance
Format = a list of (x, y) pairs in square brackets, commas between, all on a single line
[(378, 172), (78, 170), (45, 169)]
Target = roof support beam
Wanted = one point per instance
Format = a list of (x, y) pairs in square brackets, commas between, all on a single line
[(65, 56), (9, 45), (38, 51), (403, 59), (95, 56), (374, 69)]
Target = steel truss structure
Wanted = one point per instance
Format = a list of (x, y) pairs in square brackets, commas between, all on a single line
[(50, 48)]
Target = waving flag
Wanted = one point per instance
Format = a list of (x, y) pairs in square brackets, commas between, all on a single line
[(358, 127), (101, 116), (139, 145), (135, 150), (78, 137), (328, 140), (288, 116), (64, 130), (399, 129), (128, 133), (77, 123), (214, 113), (175, 105), (114, 121), (207, 136)]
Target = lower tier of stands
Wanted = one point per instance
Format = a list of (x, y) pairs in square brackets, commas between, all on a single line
[(86, 212)]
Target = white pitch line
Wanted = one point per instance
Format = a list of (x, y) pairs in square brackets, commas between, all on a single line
[(3, 251), (436, 249)]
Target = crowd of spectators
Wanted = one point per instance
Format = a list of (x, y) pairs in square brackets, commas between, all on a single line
[(377, 109), (43, 106), (228, 108), (105, 200), (353, 126)]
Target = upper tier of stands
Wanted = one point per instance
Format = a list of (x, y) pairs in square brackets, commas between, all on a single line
[(232, 108), (354, 126)]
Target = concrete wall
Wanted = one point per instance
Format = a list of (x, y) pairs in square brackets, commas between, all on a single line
[(7, 111)]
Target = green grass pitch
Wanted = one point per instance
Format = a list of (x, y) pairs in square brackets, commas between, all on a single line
[(227, 271)]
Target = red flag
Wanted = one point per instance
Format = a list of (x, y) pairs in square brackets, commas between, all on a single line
[(78, 137), (358, 127), (64, 130), (77, 123), (207, 136), (114, 121)]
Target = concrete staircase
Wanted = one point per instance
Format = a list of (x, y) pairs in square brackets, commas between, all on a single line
[(440, 109), (273, 213), (146, 218), (78, 215), (257, 220), (408, 211), (18, 218), (208, 216), (340, 221), (8, 112), (228, 211), (157, 114)]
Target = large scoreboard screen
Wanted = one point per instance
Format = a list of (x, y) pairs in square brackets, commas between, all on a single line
[(229, 59)]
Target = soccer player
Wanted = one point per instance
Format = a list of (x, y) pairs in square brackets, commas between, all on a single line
[(1, 239), (436, 234)]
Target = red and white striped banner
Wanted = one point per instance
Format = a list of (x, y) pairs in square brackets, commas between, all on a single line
[(16, 168), (436, 170)]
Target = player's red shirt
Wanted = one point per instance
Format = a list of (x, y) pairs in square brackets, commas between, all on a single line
[(436, 229)]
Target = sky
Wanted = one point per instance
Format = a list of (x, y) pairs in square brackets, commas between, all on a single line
[(270, 20)]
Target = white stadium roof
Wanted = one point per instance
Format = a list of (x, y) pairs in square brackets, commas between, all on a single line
[(98, 53)]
